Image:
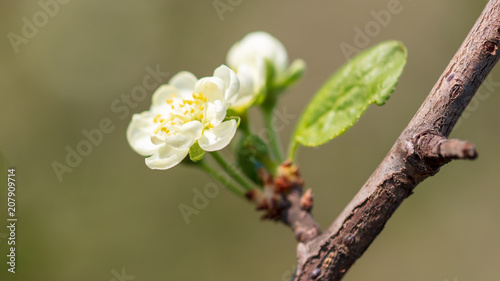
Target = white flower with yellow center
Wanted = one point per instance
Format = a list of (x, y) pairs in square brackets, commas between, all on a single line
[(183, 112), (248, 59)]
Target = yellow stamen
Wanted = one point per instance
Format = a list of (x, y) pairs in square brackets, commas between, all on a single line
[(184, 111), (159, 127), (203, 97)]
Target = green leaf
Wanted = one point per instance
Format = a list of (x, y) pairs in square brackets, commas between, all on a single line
[(196, 153), (368, 78)]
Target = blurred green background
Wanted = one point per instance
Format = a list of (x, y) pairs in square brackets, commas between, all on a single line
[(112, 213)]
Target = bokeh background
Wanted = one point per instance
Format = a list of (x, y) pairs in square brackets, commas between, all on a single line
[(112, 213)]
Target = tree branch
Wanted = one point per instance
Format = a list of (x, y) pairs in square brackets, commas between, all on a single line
[(418, 153)]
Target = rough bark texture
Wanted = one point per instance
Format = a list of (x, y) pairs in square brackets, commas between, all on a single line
[(418, 153)]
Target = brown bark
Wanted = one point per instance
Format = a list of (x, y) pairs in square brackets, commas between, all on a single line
[(298, 218), (418, 153)]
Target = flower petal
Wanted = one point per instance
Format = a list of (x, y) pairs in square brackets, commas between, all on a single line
[(184, 81), (211, 87), (218, 137), (158, 138), (186, 136), (231, 83), (159, 100), (249, 88), (255, 46), (138, 133), (166, 157), (215, 113)]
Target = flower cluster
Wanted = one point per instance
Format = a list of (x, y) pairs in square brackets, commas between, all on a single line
[(190, 114)]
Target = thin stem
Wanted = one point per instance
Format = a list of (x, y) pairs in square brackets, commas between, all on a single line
[(231, 171), (292, 150), (274, 137), (225, 181)]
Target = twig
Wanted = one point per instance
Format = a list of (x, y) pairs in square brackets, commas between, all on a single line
[(231, 171), (298, 218)]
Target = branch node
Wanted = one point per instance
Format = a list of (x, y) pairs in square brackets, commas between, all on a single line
[(437, 150), (307, 200), (456, 149)]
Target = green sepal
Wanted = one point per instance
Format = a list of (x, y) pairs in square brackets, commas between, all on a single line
[(196, 153), (292, 75), (237, 118)]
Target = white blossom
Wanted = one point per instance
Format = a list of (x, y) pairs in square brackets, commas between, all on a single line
[(248, 59), (183, 112)]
